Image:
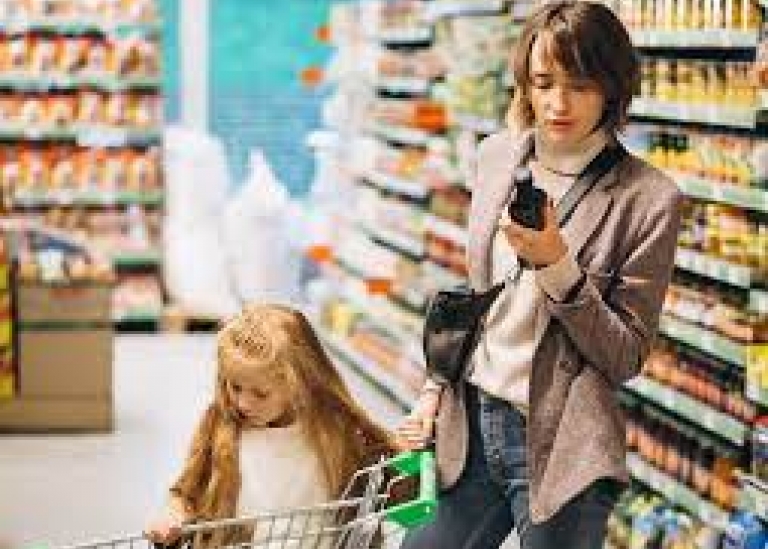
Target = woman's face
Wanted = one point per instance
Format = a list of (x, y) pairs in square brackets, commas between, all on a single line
[(261, 402), (566, 109)]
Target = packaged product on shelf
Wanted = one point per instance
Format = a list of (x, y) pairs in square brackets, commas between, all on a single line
[(483, 96), (63, 174), (97, 57), (476, 45), (426, 63), (90, 111), (61, 110), (32, 111), (9, 110), (417, 113), (145, 111), (42, 55), (18, 55), (115, 173), (451, 204), (88, 166), (72, 54), (145, 11), (35, 175), (116, 112), (745, 531)]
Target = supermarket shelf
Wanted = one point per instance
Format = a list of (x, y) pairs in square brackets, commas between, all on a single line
[(397, 185), (128, 260), (404, 36), (704, 189), (85, 137), (392, 239), (384, 381), (443, 277), (452, 8), (753, 495), (691, 409), (705, 340), (77, 26), (446, 229), (703, 39), (47, 83), (714, 268), (758, 301), (476, 124), (405, 136), (382, 313), (756, 394), (403, 84), (64, 198), (676, 492), (729, 117)]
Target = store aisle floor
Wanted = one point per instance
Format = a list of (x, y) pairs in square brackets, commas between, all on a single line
[(62, 489)]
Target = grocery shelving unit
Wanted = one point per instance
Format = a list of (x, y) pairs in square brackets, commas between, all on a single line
[(81, 133)]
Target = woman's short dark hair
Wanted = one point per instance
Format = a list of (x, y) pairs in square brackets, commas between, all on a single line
[(587, 41)]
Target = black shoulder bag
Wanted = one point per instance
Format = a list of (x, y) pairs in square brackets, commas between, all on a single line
[(453, 321)]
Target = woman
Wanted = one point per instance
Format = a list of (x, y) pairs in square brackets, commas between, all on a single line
[(534, 437)]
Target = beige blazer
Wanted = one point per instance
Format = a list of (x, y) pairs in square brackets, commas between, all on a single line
[(623, 235)]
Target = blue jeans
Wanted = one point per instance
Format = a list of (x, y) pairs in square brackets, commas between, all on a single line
[(491, 496)]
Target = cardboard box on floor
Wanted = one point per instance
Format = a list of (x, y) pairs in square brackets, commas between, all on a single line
[(65, 382), (66, 305), (65, 354)]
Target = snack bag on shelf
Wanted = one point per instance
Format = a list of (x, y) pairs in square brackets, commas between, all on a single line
[(90, 110), (60, 111), (115, 173), (97, 57), (42, 55), (18, 55), (63, 170), (71, 54)]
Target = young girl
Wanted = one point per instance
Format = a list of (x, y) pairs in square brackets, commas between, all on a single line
[(282, 430)]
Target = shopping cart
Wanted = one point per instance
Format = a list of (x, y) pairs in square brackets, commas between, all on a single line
[(371, 513)]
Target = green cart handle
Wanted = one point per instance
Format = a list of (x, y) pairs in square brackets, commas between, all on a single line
[(413, 513)]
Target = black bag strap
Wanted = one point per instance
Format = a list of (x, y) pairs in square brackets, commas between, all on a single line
[(600, 165)]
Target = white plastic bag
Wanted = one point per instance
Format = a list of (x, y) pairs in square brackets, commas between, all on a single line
[(195, 264), (263, 262)]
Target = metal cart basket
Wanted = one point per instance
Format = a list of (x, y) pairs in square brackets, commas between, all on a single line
[(368, 515)]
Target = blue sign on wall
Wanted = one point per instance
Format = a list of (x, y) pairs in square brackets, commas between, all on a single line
[(258, 50)]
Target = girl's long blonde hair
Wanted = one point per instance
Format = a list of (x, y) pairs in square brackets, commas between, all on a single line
[(280, 339)]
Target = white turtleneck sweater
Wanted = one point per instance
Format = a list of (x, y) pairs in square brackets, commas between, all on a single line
[(501, 365), (280, 471)]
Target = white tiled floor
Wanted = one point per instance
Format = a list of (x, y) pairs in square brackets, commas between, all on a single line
[(56, 490)]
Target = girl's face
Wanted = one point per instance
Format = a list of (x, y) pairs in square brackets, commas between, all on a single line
[(261, 403), (566, 109)]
